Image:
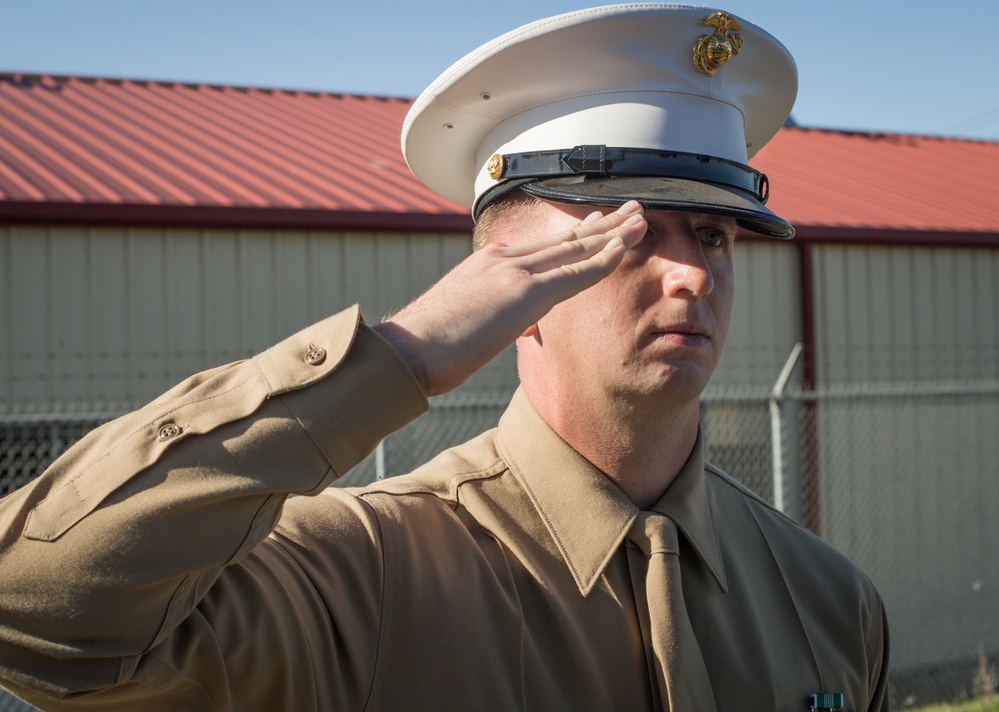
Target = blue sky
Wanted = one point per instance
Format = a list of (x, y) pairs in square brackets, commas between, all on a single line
[(881, 65)]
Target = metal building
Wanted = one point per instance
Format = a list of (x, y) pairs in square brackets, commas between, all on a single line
[(149, 230)]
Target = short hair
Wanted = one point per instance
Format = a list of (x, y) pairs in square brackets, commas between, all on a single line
[(514, 201)]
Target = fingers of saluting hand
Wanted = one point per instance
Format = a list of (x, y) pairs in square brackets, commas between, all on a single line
[(583, 240), (580, 252), (582, 255)]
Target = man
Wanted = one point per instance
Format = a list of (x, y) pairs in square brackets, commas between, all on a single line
[(582, 556)]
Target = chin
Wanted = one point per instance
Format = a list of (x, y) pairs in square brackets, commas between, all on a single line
[(672, 387)]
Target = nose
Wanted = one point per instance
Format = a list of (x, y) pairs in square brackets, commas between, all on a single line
[(685, 266)]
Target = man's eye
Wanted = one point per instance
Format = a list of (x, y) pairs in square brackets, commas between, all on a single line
[(712, 237)]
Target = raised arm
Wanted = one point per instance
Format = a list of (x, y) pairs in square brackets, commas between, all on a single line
[(105, 558)]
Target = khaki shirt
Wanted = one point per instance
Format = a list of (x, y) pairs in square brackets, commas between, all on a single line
[(158, 566)]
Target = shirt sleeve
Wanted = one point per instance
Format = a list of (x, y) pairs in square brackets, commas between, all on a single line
[(132, 567)]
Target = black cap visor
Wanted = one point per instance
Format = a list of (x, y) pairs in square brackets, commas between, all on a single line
[(660, 193), (660, 180)]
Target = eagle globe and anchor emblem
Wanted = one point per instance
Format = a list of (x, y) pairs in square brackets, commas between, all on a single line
[(712, 51)]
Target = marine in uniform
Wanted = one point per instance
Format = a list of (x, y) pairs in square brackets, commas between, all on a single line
[(549, 564)]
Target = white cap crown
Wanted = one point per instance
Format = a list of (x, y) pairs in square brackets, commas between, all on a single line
[(655, 77)]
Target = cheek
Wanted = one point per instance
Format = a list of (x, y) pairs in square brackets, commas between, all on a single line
[(595, 315), (725, 281), (568, 319), (616, 299), (723, 296)]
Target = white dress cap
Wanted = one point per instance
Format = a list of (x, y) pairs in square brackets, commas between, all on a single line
[(658, 102)]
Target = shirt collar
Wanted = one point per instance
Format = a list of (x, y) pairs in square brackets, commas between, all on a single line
[(587, 515)]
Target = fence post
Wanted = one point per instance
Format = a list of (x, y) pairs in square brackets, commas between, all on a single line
[(380, 460), (777, 425)]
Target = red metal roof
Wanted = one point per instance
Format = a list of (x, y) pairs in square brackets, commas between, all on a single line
[(75, 149), (101, 150), (827, 181)]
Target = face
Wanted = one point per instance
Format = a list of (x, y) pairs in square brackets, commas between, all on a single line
[(655, 328)]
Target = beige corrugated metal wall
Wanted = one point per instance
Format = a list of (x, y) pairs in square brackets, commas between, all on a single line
[(914, 498), (906, 313), (105, 318)]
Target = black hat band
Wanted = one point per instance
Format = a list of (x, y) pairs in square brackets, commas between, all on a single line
[(609, 161)]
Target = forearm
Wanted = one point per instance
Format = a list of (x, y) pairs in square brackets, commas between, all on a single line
[(114, 546)]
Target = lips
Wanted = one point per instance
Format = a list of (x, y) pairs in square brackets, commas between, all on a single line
[(683, 334), (686, 328)]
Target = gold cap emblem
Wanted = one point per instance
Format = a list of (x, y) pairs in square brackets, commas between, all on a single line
[(712, 51), (496, 166)]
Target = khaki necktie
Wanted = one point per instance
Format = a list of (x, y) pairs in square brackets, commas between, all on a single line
[(681, 678)]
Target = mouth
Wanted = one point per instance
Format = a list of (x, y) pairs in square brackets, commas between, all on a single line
[(683, 334)]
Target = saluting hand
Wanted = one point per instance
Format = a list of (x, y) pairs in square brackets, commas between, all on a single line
[(489, 299)]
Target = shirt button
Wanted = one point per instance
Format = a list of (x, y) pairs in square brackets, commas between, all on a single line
[(168, 432), (315, 356)]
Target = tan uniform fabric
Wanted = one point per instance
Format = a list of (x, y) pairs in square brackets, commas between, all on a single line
[(157, 565)]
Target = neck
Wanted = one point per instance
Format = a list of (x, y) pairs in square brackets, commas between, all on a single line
[(641, 449)]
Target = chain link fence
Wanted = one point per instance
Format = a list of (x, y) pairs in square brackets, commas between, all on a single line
[(904, 479)]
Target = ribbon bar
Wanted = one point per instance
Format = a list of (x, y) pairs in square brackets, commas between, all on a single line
[(826, 701)]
